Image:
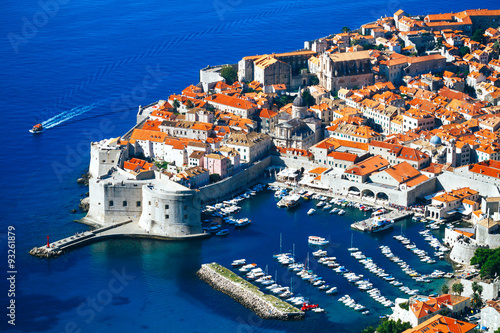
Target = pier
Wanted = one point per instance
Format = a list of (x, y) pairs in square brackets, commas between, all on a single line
[(126, 228), (394, 215), (264, 305)]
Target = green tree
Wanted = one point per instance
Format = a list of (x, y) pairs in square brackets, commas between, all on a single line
[(369, 329), (214, 178), (445, 289), (497, 330), (391, 326), (476, 301), (404, 306), (488, 262), (176, 105), (345, 29), (463, 51), (229, 73), (189, 104), (496, 45), (478, 35), (477, 288), (314, 80), (457, 288), (306, 95)]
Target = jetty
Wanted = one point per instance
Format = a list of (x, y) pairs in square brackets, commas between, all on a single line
[(394, 215), (264, 305), (126, 228)]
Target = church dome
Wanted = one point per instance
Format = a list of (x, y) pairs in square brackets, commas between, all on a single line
[(436, 140), (299, 101)]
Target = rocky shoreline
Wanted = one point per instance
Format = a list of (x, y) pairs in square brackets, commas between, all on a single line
[(250, 298)]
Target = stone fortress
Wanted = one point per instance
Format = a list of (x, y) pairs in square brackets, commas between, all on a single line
[(484, 234), (157, 206)]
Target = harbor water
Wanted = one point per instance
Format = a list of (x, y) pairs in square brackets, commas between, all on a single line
[(83, 68)]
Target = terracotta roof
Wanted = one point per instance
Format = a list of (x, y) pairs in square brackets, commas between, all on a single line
[(231, 101), (454, 195), (442, 324), (368, 166), (266, 113), (343, 156), (318, 170)]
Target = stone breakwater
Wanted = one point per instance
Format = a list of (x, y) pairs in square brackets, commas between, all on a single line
[(265, 306)]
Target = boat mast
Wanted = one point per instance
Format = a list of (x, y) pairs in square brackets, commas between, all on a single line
[(281, 242)]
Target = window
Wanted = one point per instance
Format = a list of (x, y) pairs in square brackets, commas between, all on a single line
[(185, 216), (111, 203), (166, 206), (166, 217), (124, 203), (150, 203), (138, 204), (185, 207)]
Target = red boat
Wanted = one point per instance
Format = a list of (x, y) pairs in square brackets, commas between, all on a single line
[(306, 307), (38, 128)]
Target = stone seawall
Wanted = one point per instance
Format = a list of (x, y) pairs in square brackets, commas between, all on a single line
[(245, 293), (233, 185)]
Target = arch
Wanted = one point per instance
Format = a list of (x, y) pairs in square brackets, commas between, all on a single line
[(382, 196), (367, 193), (353, 190)]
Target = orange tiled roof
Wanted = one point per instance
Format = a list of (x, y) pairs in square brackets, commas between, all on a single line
[(442, 324), (454, 195), (368, 166)]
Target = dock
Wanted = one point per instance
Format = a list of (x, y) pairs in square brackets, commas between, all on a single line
[(264, 305), (121, 229), (394, 215)]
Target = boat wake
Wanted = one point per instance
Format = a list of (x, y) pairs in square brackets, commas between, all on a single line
[(67, 115)]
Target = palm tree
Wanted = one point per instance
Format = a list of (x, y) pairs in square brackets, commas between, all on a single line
[(345, 29), (474, 286), (457, 288), (476, 301), (445, 289)]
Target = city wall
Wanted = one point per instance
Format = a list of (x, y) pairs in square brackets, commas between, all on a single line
[(235, 184)]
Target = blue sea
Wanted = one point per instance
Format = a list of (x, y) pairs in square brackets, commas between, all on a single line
[(83, 68)]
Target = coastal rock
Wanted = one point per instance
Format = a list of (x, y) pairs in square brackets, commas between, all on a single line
[(74, 210), (84, 179), (84, 204)]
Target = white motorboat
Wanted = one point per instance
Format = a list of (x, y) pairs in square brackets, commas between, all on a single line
[(315, 240)]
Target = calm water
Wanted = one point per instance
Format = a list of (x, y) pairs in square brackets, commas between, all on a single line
[(93, 61)]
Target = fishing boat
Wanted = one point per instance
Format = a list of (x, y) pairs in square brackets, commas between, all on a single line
[(223, 232), (242, 222), (341, 212), (380, 224), (292, 201), (311, 211), (315, 240), (238, 263), (334, 211), (38, 128), (332, 290)]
